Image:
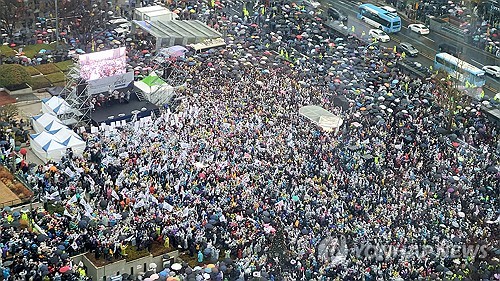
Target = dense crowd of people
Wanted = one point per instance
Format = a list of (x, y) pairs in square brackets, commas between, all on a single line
[(236, 177)]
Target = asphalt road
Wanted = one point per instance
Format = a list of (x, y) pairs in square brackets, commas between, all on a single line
[(426, 44)]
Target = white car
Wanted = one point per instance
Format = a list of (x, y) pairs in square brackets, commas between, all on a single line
[(419, 28), (312, 3), (493, 70), (379, 35)]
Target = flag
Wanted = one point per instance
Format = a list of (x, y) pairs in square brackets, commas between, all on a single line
[(114, 194)]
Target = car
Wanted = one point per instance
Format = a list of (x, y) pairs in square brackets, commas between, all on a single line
[(335, 15), (379, 35), (493, 70), (419, 28), (408, 49)]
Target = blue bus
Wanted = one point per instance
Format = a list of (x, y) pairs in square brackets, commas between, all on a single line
[(460, 70), (379, 18)]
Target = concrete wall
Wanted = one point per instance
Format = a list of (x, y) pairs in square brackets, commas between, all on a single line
[(122, 266), (24, 91)]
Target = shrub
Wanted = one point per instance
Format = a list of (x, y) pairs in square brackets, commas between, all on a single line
[(47, 68), (31, 70), (65, 66), (31, 50), (13, 74), (7, 51), (40, 82), (56, 77)]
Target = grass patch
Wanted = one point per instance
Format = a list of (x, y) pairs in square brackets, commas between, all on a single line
[(40, 82), (60, 84), (31, 50), (55, 208), (47, 68), (31, 70), (133, 253), (64, 66), (7, 51), (56, 77)]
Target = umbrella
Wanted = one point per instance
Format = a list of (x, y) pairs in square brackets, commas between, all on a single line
[(209, 226), (155, 277), (64, 269), (42, 237), (176, 266), (83, 224), (16, 214), (295, 198), (7, 263), (7, 209)]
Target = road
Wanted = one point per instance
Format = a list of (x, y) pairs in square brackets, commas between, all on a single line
[(427, 45)]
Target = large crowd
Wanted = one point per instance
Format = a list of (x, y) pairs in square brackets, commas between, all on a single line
[(236, 177)]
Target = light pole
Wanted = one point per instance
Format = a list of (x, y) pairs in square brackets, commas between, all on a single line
[(57, 24)]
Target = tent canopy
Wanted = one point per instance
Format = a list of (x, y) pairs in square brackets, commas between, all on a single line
[(55, 105), (186, 31), (321, 117), (41, 121), (153, 80)]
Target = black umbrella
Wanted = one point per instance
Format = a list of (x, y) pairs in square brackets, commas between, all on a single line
[(209, 226), (148, 274), (103, 204), (266, 219), (42, 238), (83, 224)]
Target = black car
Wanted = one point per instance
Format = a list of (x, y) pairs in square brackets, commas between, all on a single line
[(334, 14), (408, 49)]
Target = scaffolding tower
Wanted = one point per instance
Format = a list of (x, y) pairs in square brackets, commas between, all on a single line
[(76, 95), (169, 69)]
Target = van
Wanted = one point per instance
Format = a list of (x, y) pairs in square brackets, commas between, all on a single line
[(334, 14)]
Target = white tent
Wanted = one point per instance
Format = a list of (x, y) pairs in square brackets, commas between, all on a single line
[(321, 117), (55, 105), (70, 139), (46, 147), (76, 144), (41, 121), (54, 125)]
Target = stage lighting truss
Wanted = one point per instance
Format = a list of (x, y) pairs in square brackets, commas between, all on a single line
[(170, 69), (76, 95)]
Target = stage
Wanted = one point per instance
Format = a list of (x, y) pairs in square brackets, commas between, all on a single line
[(115, 111)]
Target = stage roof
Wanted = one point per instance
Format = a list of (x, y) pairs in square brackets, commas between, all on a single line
[(194, 30)]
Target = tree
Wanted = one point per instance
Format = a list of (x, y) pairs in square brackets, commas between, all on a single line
[(8, 112), (11, 12)]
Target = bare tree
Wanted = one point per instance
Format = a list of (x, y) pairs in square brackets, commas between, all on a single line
[(11, 13)]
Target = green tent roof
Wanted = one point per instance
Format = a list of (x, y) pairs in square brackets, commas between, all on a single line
[(153, 80)]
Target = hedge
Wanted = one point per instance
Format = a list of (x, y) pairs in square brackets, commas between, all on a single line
[(40, 82), (7, 51), (13, 74), (47, 68), (31, 50), (56, 77), (64, 66), (31, 70)]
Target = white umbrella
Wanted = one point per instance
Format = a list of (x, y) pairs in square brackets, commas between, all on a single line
[(176, 266)]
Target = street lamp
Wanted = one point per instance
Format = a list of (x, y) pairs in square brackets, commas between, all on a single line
[(57, 24)]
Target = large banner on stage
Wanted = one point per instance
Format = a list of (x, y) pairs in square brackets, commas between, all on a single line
[(103, 64), (110, 83)]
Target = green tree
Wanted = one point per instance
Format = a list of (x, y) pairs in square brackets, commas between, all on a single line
[(13, 75)]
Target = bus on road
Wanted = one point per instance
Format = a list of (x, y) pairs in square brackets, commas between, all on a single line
[(379, 18), (460, 70)]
